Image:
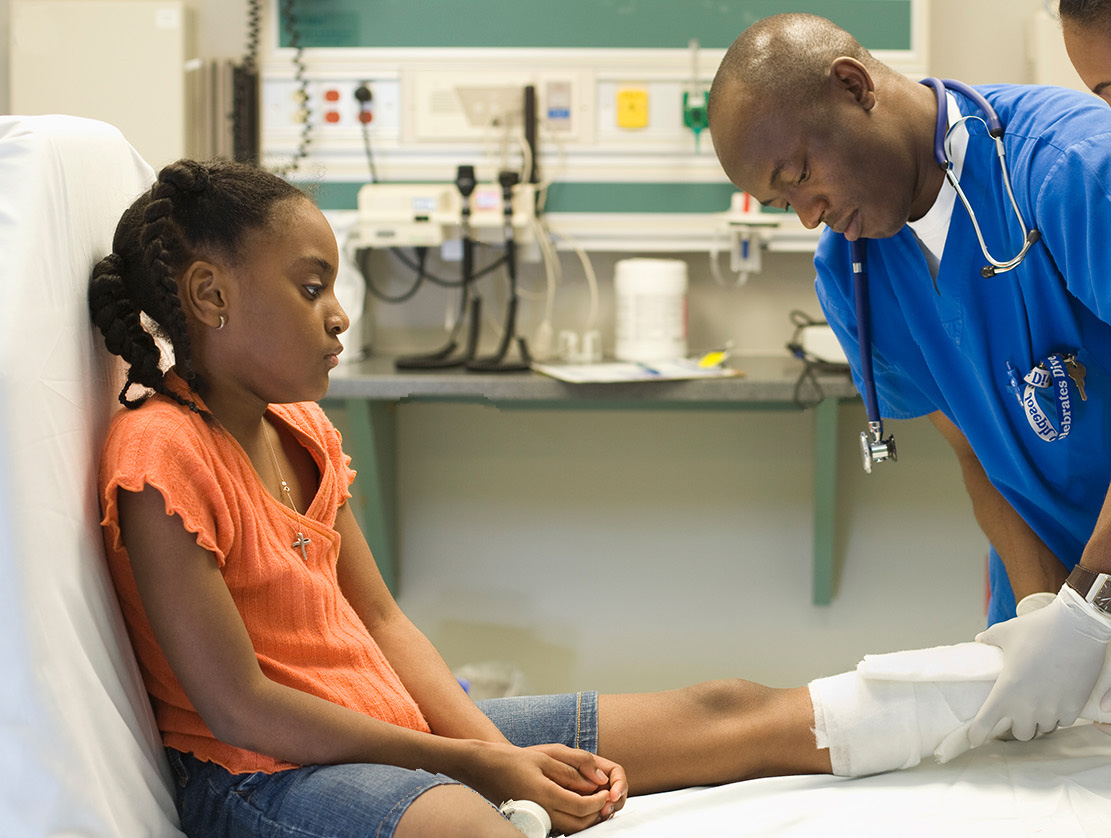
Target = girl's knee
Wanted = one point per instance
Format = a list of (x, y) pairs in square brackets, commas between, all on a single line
[(729, 696), (453, 811)]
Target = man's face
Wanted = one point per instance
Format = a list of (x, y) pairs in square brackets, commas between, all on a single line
[(834, 165), (1089, 49)]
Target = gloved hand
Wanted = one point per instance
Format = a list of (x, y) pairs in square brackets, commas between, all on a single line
[(1051, 661)]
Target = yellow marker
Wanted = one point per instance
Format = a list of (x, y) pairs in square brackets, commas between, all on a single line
[(713, 359), (632, 107)]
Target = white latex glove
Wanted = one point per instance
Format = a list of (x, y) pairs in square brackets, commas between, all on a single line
[(1033, 602), (1051, 661)]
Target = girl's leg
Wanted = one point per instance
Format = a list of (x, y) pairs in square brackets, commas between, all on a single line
[(453, 812), (715, 732), (338, 801)]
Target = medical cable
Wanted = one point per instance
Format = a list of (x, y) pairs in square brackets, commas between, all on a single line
[(365, 98), (542, 340), (812, 364), (544, 236), (289, 16), (716, 274), (404, 258), (245, 94), (591, 281), (362, 255)]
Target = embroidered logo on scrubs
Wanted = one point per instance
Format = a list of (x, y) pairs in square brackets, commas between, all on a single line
[(1048, 381)]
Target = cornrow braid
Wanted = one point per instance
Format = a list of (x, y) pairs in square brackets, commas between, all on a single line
[(194, 210), (162, 251), (118, 320)]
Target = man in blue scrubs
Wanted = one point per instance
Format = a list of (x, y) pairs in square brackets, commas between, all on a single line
[(1014, 369)]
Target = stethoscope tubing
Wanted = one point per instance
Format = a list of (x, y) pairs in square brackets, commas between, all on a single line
[(864, 327), (858, 251)]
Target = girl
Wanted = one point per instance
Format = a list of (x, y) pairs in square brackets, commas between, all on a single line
[(293, 696)]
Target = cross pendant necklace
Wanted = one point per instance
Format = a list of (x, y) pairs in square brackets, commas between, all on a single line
[(302, 540)]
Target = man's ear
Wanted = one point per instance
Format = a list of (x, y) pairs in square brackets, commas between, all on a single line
[(849, 76), (203, 292)]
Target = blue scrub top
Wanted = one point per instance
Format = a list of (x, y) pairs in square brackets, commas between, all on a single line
[(948, 349)]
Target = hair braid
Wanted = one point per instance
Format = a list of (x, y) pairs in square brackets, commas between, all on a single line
[(162, 249), (193, 211), (118, 320)]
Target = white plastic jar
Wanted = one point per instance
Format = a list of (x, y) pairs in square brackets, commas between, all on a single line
[(651, 303)]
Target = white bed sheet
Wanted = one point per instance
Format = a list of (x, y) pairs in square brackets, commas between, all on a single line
[(1057, 786)]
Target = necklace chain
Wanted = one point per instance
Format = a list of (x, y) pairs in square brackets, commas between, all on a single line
[(302, 540)]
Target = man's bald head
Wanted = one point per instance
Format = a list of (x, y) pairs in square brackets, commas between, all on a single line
[(785, 59), (803, 116)]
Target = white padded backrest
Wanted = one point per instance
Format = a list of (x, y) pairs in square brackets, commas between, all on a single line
[(79, 751)]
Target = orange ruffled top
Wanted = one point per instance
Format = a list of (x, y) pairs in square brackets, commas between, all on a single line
[(305, 633)]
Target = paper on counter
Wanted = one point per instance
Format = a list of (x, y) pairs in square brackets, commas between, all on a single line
[(624, 371)]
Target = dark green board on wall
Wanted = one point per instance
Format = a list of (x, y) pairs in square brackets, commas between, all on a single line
[(878, 24), (536, 24)]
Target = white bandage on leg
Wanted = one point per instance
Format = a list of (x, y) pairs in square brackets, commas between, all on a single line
[(895, 709), (872, 725)]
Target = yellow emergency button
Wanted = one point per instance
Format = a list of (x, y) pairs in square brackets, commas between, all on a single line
[(632, 107)]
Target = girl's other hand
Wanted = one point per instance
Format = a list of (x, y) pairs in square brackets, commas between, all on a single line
[(576, 788), (603, 773)]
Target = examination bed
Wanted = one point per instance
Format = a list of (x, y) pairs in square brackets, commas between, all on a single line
[(79, 753)]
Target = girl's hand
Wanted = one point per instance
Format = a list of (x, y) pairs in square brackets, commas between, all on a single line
[(576, 788), (603, 773)]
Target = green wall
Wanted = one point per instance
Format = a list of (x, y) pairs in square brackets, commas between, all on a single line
[(878, 24)]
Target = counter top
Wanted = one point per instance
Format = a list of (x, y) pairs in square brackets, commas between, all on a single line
[(770, 379)]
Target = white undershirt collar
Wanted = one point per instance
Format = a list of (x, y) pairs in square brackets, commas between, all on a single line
[(933, 227)]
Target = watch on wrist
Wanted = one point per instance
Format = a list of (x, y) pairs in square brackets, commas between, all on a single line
[(1094, 587)]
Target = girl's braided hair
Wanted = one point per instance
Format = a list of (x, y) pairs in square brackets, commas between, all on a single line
[(194, 210)]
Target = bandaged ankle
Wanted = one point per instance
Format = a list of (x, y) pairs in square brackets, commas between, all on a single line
[(873, 725), (896, 708)]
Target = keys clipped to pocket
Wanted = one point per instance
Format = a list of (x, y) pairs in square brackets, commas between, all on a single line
[(1076, 371)]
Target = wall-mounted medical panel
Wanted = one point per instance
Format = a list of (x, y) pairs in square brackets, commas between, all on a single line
[(447, 84)]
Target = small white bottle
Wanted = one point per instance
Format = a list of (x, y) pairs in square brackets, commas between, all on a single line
[(651, 303)]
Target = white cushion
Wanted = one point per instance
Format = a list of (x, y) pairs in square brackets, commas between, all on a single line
[(79, 750)]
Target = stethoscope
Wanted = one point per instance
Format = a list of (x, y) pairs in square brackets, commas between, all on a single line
[(874, 447)]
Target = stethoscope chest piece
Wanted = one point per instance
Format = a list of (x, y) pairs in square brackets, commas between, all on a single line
[(874, 448)]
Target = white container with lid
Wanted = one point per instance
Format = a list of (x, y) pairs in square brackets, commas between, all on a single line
[(651, 303)]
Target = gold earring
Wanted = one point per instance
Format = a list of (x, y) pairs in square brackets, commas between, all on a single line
[(222, 322)]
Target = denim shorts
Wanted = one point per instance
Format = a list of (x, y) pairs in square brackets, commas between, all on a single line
[(360, 800)]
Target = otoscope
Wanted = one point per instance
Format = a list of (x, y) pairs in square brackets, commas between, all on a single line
[(443, 358), (497, 362)]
